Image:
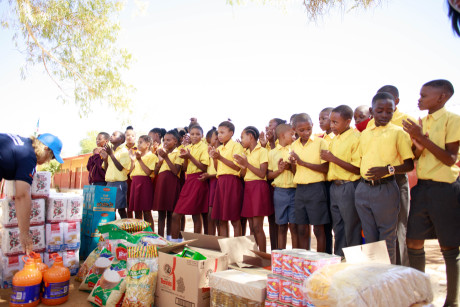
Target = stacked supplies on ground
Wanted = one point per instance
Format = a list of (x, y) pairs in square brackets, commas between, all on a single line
[(122, 262), (11, 247), (63, 228)]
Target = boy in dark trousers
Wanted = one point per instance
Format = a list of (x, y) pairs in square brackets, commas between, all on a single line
[(385, 150), (435, 200)]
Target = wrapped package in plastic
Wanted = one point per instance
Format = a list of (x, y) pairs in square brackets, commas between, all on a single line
[(11, 244), (369, 284), (56, 208), (41, 184), (9, 218), (239, 285), (74, 209)]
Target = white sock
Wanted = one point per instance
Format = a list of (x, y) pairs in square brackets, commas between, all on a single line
[(168, 237)]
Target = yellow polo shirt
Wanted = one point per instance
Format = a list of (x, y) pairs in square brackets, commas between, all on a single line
[(113, 174), (149, 159), (286, 178), (443, 127), (211, 169), (310, 153), (267, 147), (200, 152), (380, 146), (397, 119), (328, 137), (175, 159), (256, 157), (227, 151), (345, 147)]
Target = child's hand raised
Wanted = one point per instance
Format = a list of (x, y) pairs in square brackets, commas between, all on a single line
[(214, 153), (162, 153), (263, 140), (138, 155), (415, 131), (104, 154), (242, 160), (108, 149), (294, 156), (184, 153), (155, 146), (283, 166), (132, 155)]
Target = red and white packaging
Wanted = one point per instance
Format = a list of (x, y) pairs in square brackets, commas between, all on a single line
[(71, 235), (297, 295), (10, 266), (54, 237), (277, 262), (41, 184), (9, 218), (11, 244), (273, 287), (285, 290), (286, 270), (71, 261), (56, 208), (74, 209), (48, 259)]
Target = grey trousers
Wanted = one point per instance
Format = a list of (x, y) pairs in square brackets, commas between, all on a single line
[(345, 219), (378, 209), (401, 231)]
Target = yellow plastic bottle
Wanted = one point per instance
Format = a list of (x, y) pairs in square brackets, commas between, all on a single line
[(26, 285), (56, 281)]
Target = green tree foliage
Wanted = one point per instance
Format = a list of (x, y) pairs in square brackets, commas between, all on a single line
[(53, 167), (89, 143), (75, 41)]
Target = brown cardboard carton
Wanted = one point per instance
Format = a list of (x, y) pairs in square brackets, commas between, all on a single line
[(185, 282)]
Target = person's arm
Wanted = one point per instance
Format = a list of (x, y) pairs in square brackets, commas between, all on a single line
[(320, 168), (158, 166), (227, 162), (328, 156), (114, 159), (447, 156), (201, 166), (144, 167), (375, 173), (23, 204), (282, 166)]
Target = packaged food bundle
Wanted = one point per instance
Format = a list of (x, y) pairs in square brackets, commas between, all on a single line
[(119, 241), (11, 244), (41, 184), (129, 225), (74, 209), (71, 235), (110, 288), (86, 266), (71, 261), (369, 284), (48, 259), (9, 218), (10, 265), (56, 208), (142, 267), (151, 238), (102, 263), (54, 237)]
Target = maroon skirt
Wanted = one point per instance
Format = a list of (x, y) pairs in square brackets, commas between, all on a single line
[(212, 190), (141, 196), (167, 188), (257, 199), (228, 198), (193, 198)]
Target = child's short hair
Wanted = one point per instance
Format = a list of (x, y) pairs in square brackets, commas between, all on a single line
[(393, 90), (382, 95), (328, 109), (282, 128), (445, 85), (174, 134), (122, 136), (196, 127), (345, 111), (159, 131), (253, 131), (228, 124), (211, 132), (129, 128), (105, 135), (279, 121), (301, 118), (454, 16), (146, 139)]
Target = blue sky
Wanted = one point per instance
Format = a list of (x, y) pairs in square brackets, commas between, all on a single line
[(249, 62)]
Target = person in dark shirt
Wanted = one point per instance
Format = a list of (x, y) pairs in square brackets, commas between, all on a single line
[(18, 158), (96, 174)]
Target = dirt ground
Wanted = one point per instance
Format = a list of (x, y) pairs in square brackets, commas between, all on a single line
[(435, 268)]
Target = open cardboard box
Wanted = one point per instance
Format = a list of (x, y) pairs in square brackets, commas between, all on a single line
[(243, 253), (185, 282)]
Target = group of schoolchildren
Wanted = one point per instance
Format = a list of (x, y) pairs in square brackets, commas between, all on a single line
[(351, 181)]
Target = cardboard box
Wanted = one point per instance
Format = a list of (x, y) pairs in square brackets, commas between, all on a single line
[(96, 218), (185, 282)]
